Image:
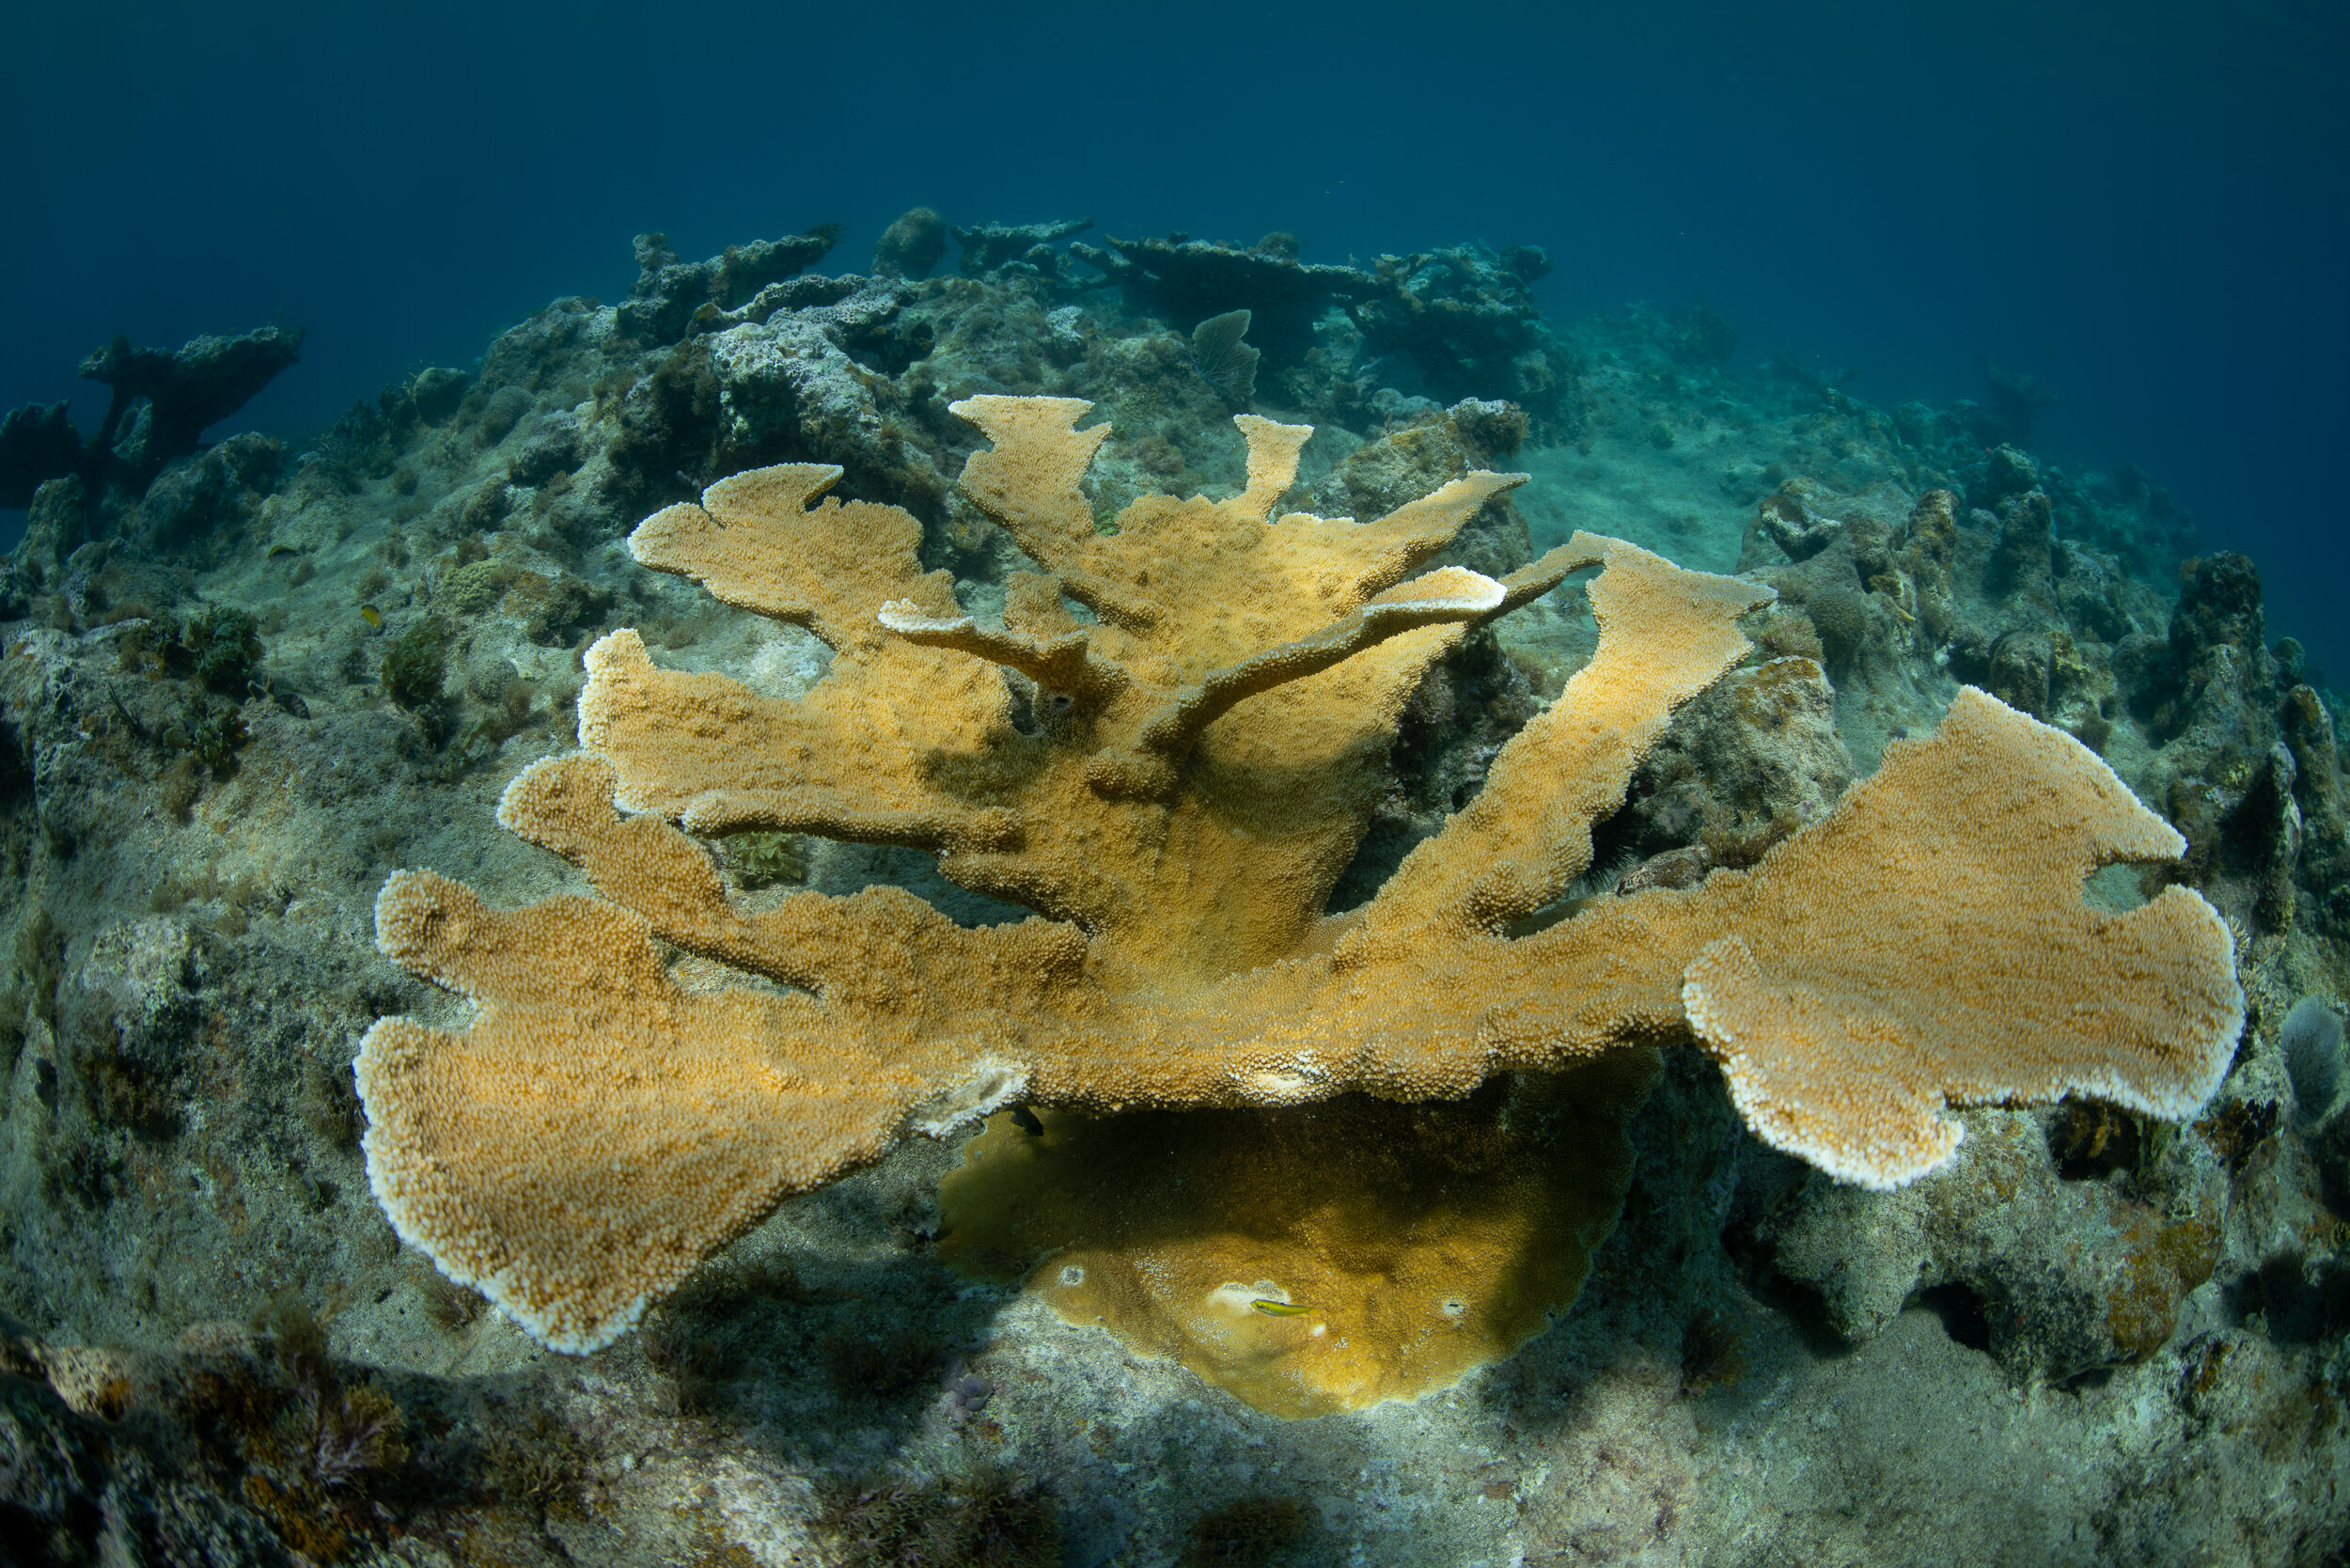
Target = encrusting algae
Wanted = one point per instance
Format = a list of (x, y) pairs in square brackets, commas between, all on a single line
[(1314, 1257), (1197, 765)]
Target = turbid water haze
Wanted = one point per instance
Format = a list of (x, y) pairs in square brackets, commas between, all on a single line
[(2141, 204)]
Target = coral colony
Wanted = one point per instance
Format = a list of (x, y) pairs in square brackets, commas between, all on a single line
[(1199, 768)]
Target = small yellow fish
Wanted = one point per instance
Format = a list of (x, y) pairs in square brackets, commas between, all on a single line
[(372, 616), (1281, 1308)]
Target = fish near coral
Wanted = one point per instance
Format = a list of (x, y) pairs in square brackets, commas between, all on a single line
[(600, 1127)]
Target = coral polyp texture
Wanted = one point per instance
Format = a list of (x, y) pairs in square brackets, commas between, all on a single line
[(1174, 779)]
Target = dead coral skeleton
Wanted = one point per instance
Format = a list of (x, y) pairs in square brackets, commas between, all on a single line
[(1216, 744)]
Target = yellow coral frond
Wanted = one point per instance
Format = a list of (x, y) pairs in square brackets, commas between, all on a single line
[(1196, 770)]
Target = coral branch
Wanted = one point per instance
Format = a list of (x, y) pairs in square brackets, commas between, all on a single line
[(1028, 483), (1665, 634), (1273, 450), (598, 1130), (754, 541), (1166, 737), (718, 757), (1930, 942), (1534, 579), (1062, 663)]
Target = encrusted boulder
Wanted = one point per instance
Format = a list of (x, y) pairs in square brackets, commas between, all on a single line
[(789, 385), (2054, 1277), (206, 499), (777, 378)]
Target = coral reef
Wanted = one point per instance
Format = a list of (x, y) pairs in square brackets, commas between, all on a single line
[(1183, 279), (2093, 1334), (162, 403), (184, 392), (2016, 400), (37, 442), (1184, 900)]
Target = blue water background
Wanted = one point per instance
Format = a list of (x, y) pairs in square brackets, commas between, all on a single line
[(2143, 204)]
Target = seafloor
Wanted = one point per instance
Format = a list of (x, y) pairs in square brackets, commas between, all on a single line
[(242, 682)]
